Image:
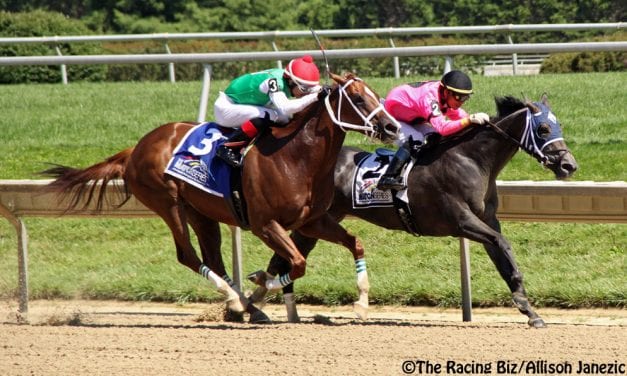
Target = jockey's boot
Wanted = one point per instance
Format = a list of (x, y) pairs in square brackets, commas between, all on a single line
[(240, 138), (392, 178), (229, 151)]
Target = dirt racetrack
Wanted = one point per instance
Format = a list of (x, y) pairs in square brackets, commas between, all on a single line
[(121, 338)]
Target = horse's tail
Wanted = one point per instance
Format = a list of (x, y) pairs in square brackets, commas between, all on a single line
[(83, 185)]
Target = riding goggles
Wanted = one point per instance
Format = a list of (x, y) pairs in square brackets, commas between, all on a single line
[(460, 97), (305, 88)]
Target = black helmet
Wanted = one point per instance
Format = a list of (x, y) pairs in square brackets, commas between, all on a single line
[(457, 81)]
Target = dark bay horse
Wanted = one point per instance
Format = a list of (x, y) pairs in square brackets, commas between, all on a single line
[(452, 188), (287, 181)]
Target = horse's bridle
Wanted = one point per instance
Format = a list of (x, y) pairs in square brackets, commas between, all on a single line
[(368, 127), (528, 142)]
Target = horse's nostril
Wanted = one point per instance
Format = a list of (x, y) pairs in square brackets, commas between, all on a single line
[(569, 167)]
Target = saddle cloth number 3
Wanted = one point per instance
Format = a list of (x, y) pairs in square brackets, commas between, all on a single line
[(207, 143)]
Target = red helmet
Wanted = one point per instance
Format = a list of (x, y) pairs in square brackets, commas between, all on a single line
[(303, 71)]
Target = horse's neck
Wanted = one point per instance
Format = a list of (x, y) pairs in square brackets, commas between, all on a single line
[(333, 135), (492, 150), (514, 124), (505, 144), (315, 139)]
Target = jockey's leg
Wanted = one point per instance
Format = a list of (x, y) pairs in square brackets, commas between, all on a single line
[(392, 178), (239, 138), (412, 140)]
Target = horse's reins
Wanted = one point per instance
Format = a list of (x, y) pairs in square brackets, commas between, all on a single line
[(368, 125), (324, 55)]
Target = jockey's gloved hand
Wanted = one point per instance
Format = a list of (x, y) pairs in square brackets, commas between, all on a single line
[(479, 118), (324, 92)]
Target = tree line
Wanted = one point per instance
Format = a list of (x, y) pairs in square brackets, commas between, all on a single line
[(147, 16), (26, 18)]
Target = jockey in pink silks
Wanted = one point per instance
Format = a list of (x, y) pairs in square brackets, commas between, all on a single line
[(425, 108)]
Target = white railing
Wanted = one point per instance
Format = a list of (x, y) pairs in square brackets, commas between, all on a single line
[(273, 36), (207, 58), (555, 201), (337, 33)]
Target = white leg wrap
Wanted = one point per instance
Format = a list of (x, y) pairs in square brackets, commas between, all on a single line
[(362, 276), (361, 305), (211, 276), (278, 283), (232, 297)]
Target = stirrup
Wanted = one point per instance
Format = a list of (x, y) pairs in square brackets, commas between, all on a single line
[(390, 182), (229, 156)]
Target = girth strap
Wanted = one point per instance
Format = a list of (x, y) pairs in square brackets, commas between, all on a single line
[(404, 213), (236, 201)]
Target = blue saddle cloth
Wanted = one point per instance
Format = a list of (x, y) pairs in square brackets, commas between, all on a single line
[(193, 160)]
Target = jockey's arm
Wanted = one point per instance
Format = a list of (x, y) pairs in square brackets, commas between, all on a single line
[(287, 106), (455, 121)]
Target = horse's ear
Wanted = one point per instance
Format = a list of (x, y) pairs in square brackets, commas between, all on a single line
[(545, 99), (337, 78)]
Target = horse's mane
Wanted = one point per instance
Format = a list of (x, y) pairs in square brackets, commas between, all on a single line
[(505, 106)]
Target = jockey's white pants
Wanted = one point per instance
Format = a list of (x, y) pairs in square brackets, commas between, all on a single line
[(232, 115), (417, 132)]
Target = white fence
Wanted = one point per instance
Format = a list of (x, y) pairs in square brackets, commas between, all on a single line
[(208, 58), (502, 65), (273, 36), (519, 201)]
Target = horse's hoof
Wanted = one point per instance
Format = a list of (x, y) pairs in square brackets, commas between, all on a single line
[(235, 304), (233, 316), (259, 295), (292, 312), (293, 318), (258, 317), (290, 307), (360, 311), (259, 277), (536, 323)]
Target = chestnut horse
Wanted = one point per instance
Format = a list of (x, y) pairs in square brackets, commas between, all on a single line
[(287, 181), (452, 189)]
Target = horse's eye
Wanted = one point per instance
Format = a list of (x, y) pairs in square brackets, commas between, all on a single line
[(544, 130), (358, 100)]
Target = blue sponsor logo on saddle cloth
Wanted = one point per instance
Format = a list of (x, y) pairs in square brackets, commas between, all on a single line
[(193, 160)]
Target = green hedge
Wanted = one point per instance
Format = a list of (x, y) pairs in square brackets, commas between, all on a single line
[(39, 24), (574, 62)]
